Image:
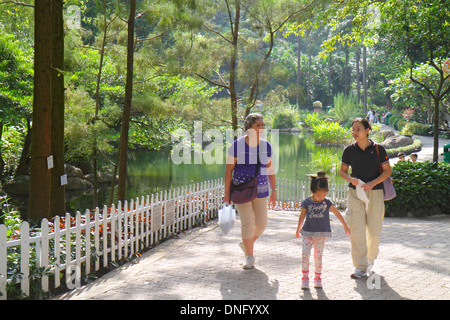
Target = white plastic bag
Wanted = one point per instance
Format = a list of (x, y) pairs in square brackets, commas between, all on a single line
[(361, 194), (227, 216)]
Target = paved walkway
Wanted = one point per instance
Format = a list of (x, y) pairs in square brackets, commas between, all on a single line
[(414, 263)]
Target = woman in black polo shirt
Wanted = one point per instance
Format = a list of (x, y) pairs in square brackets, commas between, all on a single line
[(365, 162)]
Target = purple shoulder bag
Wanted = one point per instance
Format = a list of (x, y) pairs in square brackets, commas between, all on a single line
[(247, 191), (388, 184)]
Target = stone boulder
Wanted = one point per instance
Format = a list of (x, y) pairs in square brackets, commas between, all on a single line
[(77, 184), (73, 171), (397, 142), (101, 177), (20, 185), (386, 134)]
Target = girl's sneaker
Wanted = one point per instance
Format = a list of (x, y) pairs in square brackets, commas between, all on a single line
[(318, 283), (305, 283)]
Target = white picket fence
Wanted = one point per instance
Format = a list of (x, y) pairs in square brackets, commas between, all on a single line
[(67, 249)]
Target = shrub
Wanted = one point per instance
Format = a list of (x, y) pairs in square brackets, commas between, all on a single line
[(312, 119), (421, 188), (330, 133), (344, 106), (317, 105), (415, 128), (394, 119), (283, 121)]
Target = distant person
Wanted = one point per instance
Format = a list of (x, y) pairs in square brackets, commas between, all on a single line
[(364, 222), (315, 230), (401, 157), (371, 116), (413, 157), (241, 167)]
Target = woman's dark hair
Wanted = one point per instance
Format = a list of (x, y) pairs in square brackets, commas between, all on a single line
[(251, 119), (319, 182), (364, 122)]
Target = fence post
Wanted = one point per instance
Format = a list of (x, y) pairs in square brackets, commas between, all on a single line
[(42, 260), (25, 258), (57, 250)]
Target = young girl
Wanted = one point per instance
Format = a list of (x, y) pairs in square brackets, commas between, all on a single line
[(316, 227)]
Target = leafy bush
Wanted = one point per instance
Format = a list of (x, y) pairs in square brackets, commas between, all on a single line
[(421, 188), (394, 119), (330, 133), (345, 106), (283, 121), (312, 119), (415, 128)]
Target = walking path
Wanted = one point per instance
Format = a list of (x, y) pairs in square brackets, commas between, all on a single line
[(205, 264), (414, 263)]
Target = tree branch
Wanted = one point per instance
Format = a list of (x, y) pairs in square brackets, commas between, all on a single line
[(18, 3)]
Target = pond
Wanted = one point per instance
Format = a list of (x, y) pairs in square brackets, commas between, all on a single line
[(153, 171)]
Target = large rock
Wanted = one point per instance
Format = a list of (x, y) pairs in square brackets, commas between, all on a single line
[(73, 171), (101, 177), (397, 142), (386, 134), (20, 185), (77, 184)]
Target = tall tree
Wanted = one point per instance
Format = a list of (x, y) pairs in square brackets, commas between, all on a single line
[(40, 179), (234, 44), (57, 194), (123, 147)]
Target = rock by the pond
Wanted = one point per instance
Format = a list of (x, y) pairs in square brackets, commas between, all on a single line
[(20, 185), (76, 184), (76, 181), (397, 142)]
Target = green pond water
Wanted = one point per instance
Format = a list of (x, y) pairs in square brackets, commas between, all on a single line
[(153, 171)]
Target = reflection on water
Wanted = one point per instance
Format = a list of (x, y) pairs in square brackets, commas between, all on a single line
[(152, 171)]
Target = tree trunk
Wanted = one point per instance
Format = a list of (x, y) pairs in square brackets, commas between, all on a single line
[(97, 107), (39, 196), (24, 156), (299, 59), (57, 191), (358, 76), (330, 72), (127, 106), (436, 131), (233, 95), (364, 79)]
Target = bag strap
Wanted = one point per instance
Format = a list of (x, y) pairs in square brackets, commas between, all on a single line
[(378, 157)]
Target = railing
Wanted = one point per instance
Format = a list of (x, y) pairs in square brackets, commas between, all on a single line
[(70, 248)]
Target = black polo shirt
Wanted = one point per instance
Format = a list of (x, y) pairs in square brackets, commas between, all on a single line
[(364, 164)]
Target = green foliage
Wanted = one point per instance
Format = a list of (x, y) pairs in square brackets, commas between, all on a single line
[(326, 160), (283, 121), (330, 133), (284, 116), (422, 189), (345, 106), (414, 127), (312, 119)]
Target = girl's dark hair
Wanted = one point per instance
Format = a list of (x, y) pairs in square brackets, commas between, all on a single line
[(364, 122), (319, 182)]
